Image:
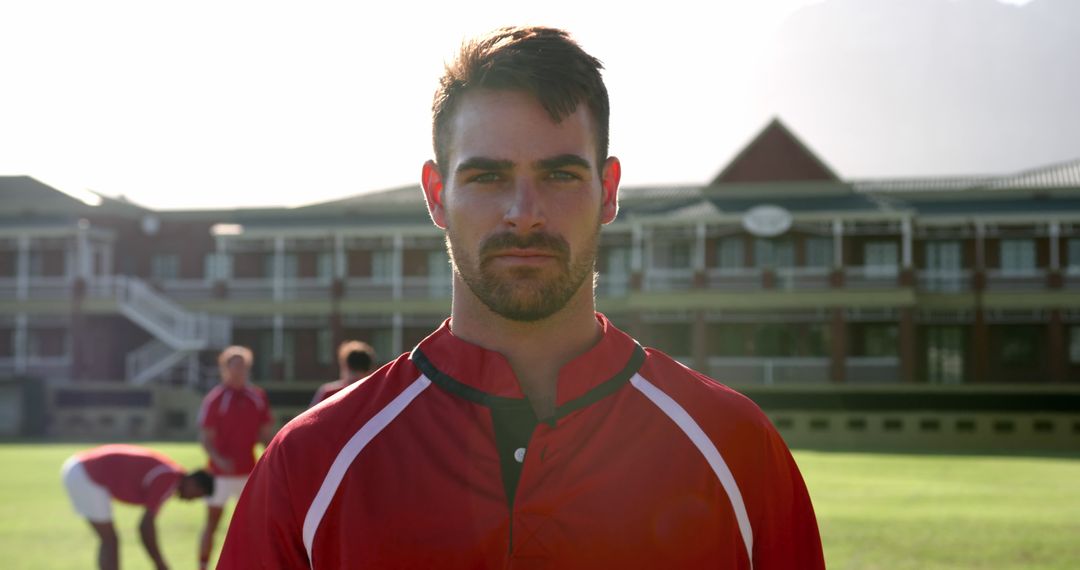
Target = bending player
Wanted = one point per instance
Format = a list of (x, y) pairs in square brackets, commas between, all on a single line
[(129, 474)]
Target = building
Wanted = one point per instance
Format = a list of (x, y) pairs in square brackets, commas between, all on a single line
[(775, 273)]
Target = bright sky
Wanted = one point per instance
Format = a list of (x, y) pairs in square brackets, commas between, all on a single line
[(208, 104)]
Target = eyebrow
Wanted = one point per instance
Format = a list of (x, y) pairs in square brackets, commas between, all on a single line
[(483, 163), (553, 163), (562, 161)]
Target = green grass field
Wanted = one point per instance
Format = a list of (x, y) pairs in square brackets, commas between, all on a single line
[(876, 511)]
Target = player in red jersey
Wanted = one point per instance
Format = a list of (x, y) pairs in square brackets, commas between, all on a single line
[(528, 431), (233, 418), (129, 474), (355, 361)]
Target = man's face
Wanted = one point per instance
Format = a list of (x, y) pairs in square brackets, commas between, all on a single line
[(522, 201), (235, 371), (189, 489)]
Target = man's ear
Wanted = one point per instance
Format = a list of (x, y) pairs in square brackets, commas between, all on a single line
[(609, 184), (432, 182)]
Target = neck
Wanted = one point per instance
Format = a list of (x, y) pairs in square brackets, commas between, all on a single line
[(537, 350)]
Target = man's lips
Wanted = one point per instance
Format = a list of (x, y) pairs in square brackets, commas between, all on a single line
[(524, 256)]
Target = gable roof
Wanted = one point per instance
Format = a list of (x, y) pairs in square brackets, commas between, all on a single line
[(775, 155)]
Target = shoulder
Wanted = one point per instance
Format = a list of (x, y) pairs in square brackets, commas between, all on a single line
[(213, 395), (706, 400), (326, 427)]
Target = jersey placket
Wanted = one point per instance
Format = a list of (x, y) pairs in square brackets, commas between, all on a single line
[(516, 430)]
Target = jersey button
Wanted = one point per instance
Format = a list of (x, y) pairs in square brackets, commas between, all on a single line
[(519, 455)]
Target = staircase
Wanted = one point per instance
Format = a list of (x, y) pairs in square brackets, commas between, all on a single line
[(179, 334)]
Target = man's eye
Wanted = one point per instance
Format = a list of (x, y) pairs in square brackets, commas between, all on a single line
[(486, 177), (562, 175)]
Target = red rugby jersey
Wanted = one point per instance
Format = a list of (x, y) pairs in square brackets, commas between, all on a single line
[(237, 416), (132, 474), (438, 461)]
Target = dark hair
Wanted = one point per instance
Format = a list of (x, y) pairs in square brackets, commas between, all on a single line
[(204, 480), (358, 361), (356, 356), (544, 62)]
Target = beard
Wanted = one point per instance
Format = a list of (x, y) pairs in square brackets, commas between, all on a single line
[(524, 294)]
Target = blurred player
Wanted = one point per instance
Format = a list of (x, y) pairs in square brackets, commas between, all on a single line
[(355, 361), (129, 474), (234, 417)]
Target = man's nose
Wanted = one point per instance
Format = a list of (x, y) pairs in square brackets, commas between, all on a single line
[(524, 212)]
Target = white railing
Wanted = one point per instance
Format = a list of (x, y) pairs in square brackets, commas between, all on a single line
[(10, 289), (424, 287), (188, 289), (609, 285), (668, 279), (251, 288), (1071, 277), (152, 360), (1016, 280), (48, 367), (945, 280), (733, 278), (369, 288), (769, 371), (871, 276), (802, 278), (872, 369), (168, 321)]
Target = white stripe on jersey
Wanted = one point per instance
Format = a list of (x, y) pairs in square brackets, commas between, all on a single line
[(705, 445), (345, 457), (204, 409), (153, 473)]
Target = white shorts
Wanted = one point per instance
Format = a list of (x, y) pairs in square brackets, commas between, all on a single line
[(87, 497), (226, 486)]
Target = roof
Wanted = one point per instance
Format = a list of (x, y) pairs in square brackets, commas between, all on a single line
[(1059, 175), (775, 155)]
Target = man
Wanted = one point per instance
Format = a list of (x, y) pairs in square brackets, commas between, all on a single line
[(234, 417), (527, 431), (133, 475), (355, 361)]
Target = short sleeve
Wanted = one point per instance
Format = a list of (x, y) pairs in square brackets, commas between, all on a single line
[(787, 534), (265, 531), (208, 416), (160, 489), (267, 417)]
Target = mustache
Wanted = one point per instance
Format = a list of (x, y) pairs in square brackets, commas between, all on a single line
[(539, 241)]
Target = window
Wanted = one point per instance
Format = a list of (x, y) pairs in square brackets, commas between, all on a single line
[(616, 278), (672, 255), (217, 266), (1019, 346), (819, 252), (324, 266), (164, 266), (1072, 250), (943, 256), (775, 340), (880, 340), (324, 346), (774, 253), (1017, 256), (439, 273), (943, 266), (945, 355), (47, 342), (292, 265), (730, 253), (880, 258), (1074, 344), (382, 266)]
